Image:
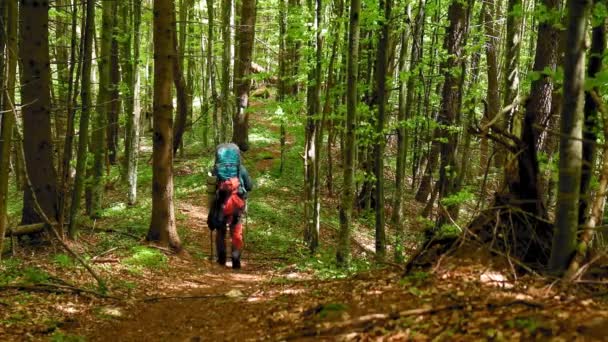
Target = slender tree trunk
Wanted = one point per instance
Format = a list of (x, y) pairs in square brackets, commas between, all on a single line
[(313, 132), (346, 207), (113, 90), (226, 42), (598, 46), (85, 96), (35, 90), (61, 111), (100, 129), (72, 97), (211, 71), (133, 107), (380, 141), (570, 147), (8, 100), (492, 42), (452, 87), (244, 39), (538, 106), (181, 91), (162, 225)]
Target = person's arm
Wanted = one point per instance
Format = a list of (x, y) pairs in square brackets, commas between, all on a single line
[(247, 182)]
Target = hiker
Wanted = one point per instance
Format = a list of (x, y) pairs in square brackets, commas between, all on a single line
[(232, 183)]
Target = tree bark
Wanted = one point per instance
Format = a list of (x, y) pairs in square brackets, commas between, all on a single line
[(113, 88), (347, 201), (226, 43), (313, 131), (36, 96), (598, 46), (8, 100), (181, 91), (380, 141), (211, 72), (452, 87), (244, 40), (570, 148), (162, 225), (85, 96)]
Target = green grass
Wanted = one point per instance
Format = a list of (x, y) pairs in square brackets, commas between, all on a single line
[(145, 257)]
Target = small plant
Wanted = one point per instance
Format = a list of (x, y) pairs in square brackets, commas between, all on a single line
[(63, 260), (35, 275), (146, 257), (60, 336)]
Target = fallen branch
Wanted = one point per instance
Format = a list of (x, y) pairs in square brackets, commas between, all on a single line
[(155, 299), (56, 288), (364, 321)]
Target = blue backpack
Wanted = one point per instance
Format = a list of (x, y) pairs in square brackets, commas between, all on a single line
[(227, 162)]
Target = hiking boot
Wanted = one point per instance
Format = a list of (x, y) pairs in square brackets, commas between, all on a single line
[(236, 259)]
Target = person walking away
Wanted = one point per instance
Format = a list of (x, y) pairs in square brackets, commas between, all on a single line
[(232, 186)]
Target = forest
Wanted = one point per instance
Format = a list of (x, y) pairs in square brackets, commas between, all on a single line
[(422, 170)]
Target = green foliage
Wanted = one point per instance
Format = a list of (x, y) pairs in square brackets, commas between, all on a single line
[(35, 275), (458, 198), (10, 269), (146, 257), (63, 260), (530, 324), (60, 336)]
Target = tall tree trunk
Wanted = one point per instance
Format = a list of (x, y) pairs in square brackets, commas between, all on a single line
[(492, 42), (181, 91), (283, 79), (35, 90), (452, 87), (162, 224), (226, 42), (244, 40), (85, 96), (528, 187), (346, 206), (598, 46), (8, 119), (133, 105), (211, 71), (61, 111), (313, 132), (72, 97), (380, 141), (293, 45), (570, 147), (103, 108), (113, 90)]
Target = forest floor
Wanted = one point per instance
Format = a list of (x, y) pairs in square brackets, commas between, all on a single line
[(281, 293)]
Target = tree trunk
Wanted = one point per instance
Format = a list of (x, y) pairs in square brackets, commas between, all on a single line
[(346, 207), (133, 105), (226, 42), (113, 90), (99, 133), (598, 46), (211, 71), (538, 106), (61, 111), (493, 95), (8, 100), (181, 91), (448, 169), (570, 147), (162, 225), (85, 96), (380, 141), (35, 90), (244, 40), (313, 132)]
